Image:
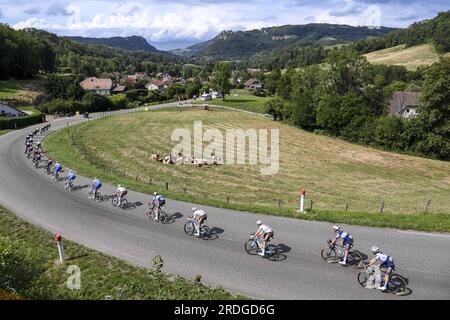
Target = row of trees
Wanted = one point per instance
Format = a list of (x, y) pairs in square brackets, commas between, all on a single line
[(347, 97)]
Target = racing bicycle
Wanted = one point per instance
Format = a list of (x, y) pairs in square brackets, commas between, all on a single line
[(332, 254), (373, 276), (189, 229), (252, 247)]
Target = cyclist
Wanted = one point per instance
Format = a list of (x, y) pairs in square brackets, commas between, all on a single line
[(200, 217), (265, 233), (49, 165), (347, 242), (384, 261), (57, 169), (71, 177), (161, 203), (95, 186), (37, 156), (120, 193)]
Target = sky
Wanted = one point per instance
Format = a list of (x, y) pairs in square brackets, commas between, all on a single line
[(174, 24)]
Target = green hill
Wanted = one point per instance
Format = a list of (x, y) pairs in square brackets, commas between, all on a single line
[(133, 43)]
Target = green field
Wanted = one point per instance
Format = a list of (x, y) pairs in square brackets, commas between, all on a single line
[(241, 99), (29, 268), (411, 58), (335, 173), (24, 90)]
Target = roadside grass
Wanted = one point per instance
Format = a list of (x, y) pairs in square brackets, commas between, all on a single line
[(411, 58), (2, 132), (29, 109), (335, 173), (102, 277), (24, 90), (240, 99)]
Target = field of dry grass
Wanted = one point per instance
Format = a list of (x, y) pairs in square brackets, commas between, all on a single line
[(411, 58), (334, 172)]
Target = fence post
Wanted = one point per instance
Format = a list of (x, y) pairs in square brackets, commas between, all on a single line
[(167, 186), (427, 205), (311, 205), (184, 189), (382, 206), (228, 200), (137, 177), (346, 206), (279, 203)]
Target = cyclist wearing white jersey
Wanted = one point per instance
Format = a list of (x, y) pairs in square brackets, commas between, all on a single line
[(161, 202), (200, 217), (120, 193), (265, 233), (384, 261), (347, 242)]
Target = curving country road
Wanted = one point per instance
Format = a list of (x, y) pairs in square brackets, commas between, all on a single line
[(423, 258)]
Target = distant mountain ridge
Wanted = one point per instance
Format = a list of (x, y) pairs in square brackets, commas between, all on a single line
[(241, 44), (133, 43)]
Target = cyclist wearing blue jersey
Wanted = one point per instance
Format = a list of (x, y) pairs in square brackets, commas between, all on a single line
[(71, 176), (95, 186), (57, 170), (383, 261), (347, 242), (161, 202)]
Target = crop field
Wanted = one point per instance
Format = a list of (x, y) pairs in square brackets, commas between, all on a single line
[(336, 174), (411, 58), (24, 90)]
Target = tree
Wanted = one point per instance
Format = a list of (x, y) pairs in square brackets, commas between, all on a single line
[(222, 75)]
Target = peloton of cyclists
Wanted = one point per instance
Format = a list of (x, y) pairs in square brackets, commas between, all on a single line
[(347, 242), (161, 202), (383, 260), (264, 233), (120, 193), (200, 217)]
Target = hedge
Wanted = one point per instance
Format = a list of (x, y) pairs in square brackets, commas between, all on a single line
[(20, 122)]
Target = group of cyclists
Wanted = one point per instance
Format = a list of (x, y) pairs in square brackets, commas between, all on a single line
[(264, 232)]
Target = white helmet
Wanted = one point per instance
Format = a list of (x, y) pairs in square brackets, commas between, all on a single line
[(259, 222), (336, 228), (375, 249), (119, 186), (155, 193), (194, 209)]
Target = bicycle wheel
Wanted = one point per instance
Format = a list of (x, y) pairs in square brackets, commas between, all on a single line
[(189, 228), (149, 213), (363, 277), (163, 217), (273, 254), (354, 259), (124, 204), (397, 285), (329, 255), (114, 201), (205, 232), (251, 247)]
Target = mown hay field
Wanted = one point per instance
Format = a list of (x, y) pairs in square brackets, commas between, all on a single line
[(335, 173)]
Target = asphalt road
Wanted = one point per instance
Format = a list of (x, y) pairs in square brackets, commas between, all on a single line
[(423, 258)]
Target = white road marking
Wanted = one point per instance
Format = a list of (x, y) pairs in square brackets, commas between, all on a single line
[(425, 234)]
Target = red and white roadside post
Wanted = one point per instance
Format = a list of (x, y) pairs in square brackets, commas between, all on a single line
[(302, 200), (59, 242)]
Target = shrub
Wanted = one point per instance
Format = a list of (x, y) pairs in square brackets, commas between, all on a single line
[(20, 122)]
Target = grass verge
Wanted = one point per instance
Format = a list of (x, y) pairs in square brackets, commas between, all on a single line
[(29, 269), (59, 146)]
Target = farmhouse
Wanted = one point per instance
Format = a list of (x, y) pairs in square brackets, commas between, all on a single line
[(253, 84), (158, 85), (99, 86), (135, 78), (119, 89), (404, 104)]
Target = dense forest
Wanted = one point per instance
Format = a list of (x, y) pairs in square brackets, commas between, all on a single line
[(29, 52)]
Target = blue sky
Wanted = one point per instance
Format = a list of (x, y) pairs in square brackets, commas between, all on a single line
[(174, 23)]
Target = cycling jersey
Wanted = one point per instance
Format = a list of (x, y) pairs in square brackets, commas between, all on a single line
[(160, 199), (200, 214), (121, 190), (385, 260), (265, 229), (346, 237), (58, 167), (71, 176), (97, 184)]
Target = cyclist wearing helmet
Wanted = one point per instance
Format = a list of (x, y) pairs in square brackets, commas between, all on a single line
[(58, 169), (200, 217), (265, 233), (384, 261), (120, 193), (49, 165), (161, 203), (95, 186), (347, 242)]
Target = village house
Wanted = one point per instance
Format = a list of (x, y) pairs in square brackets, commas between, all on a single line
[(158, 85), (9, 111), (135, 78), (98, 86), (253, 84), (405, 104), (119, 89)]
